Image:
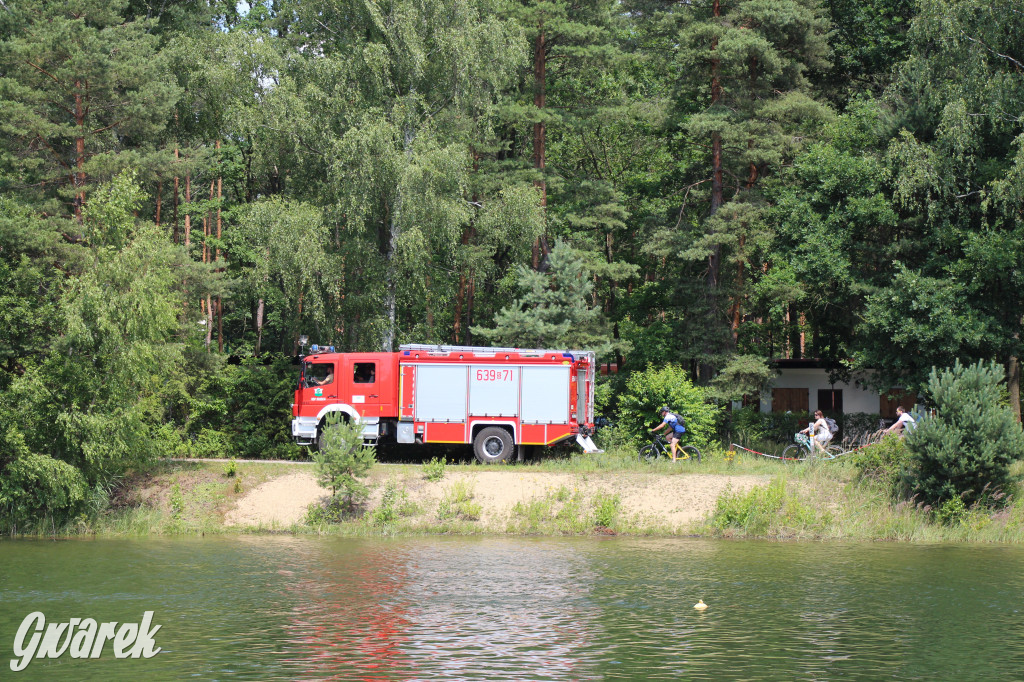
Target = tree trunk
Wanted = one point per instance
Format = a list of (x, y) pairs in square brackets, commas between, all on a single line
[(159, 199), (705, 370), (188, 218), (540, 132), (79, 152), (1013, 385), (176, 237), (216, 257), (259, 325)]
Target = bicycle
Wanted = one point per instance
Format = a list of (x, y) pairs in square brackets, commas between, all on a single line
[(659, 447), (804, 446)]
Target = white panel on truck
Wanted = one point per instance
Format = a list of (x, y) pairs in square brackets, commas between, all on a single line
[(545, 395), (493, 391), (441, 393)]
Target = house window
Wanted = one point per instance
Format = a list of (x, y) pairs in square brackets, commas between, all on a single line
[(830, 400), (790, 400)]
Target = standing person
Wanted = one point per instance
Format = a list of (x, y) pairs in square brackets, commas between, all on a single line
[(676, 430), (903, 421), (819, 430)]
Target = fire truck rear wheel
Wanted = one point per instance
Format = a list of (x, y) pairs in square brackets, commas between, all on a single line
[(493, 444)]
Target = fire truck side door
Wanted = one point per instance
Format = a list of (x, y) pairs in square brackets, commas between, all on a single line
[(361, 382)]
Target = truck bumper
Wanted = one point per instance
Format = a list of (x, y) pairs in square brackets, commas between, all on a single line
[(304, 430)]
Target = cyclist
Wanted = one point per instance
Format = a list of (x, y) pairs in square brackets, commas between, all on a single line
[(818, 432), (903, 422), (676, 430)]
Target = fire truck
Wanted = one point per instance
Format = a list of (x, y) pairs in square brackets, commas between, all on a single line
[(500, 400)]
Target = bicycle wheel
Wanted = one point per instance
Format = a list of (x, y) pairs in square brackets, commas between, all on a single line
[(648, 454), (833, 451), (690, 453), (792, 452)]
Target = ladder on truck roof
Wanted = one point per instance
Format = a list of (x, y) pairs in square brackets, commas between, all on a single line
[(488, 350)]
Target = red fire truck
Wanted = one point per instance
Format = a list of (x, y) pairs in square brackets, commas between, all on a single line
[(499, 399)]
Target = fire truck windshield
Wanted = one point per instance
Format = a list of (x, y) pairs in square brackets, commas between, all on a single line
[(317, 374)]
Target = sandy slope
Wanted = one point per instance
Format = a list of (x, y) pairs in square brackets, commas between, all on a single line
[(672, 501)]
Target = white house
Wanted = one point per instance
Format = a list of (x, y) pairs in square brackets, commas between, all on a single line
[(802, 386)]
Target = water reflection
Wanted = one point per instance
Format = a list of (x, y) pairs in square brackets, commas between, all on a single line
[(454, 610), (577, 609)]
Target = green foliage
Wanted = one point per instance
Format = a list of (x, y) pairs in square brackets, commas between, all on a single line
[(742, 375), (394, 504), (888, 462), (433, 470), (457, 503), (231, 468), (606, 510), (333, 510), (648, 390), (36, 486), (966, 449), (763, 510), (342, 458), (556, 310), (176, 501)]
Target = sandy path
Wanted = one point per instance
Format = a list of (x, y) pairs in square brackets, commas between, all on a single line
[(672, 501)]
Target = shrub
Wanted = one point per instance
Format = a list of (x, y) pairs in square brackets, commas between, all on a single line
[(433, 470), (887, 462), (606, 510), (392, 503), (458, 503), (342, 459), (966, 449), (35, 486), (647, 391)]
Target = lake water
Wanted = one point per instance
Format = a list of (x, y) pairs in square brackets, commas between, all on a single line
[(282, 607)]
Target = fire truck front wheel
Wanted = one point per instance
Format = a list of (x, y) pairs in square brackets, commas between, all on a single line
[(493, 444)]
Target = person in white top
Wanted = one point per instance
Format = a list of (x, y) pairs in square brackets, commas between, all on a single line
[(819, 429), (903, 420)]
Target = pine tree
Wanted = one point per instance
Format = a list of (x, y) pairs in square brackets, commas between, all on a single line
[(556, 310), (965, 451), (78, 85)]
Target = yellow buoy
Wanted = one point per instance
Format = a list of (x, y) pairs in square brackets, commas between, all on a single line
[(700, 605)]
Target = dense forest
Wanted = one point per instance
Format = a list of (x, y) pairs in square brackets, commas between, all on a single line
[(186, 186)]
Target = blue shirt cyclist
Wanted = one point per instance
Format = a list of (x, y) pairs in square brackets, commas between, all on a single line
[(675, 427)]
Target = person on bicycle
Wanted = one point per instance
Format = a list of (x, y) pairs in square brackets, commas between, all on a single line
[(903, 422), (676, 430), (819, 430)]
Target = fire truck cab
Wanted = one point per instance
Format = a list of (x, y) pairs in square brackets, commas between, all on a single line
[(497, 399)]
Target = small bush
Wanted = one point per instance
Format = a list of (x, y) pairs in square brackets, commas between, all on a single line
[(231, 468), (964, 452), (394, 504), (887, 462), (433, 470), (35, 486), (331, 511), (606, 510), (647, 391), (458, 504), (176, 501)]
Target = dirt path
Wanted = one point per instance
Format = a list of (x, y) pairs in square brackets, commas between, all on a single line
[(670, 501)]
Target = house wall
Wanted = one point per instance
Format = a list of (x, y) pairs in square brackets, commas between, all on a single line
[(855, 398)]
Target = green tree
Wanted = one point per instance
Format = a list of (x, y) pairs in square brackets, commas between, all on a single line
[(648, 390), (98, 398), (80, 87), (557, 309), (341, 459), (964, 452)]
